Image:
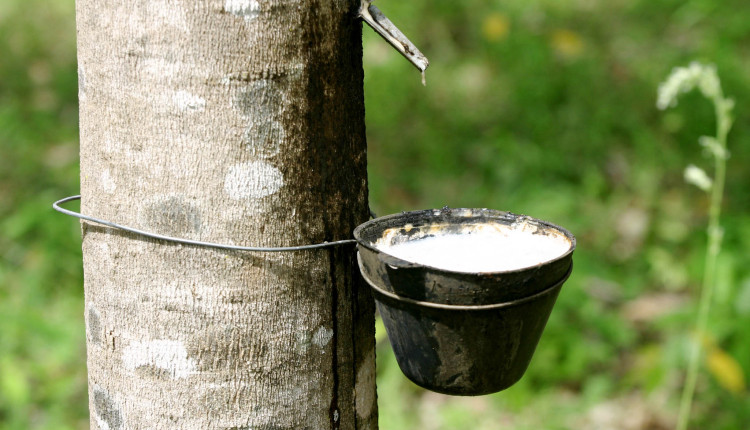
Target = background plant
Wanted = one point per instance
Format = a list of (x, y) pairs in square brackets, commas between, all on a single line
[(542, 107), (684, 80)]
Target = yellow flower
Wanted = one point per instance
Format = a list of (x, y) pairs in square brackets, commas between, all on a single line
[(726, 370), (495, 27), (567, 43)]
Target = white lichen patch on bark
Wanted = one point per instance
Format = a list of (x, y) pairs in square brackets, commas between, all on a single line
[(252, 180), (188, 102), (168, 355), (108, 184), (110, 144), (170, 14), (322, 336), (248, 9), (81, 85), (104, 255), (159, 68), (114, 143)]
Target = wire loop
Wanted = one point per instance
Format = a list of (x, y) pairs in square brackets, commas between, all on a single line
[(56, 206)]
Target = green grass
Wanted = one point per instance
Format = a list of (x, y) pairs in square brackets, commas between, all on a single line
[(541, 107)]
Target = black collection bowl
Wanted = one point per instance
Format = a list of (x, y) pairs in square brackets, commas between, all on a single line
[(433, 284), (455, 332)]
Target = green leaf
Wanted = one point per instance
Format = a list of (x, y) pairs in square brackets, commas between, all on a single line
[(14, 386), (742, 301)]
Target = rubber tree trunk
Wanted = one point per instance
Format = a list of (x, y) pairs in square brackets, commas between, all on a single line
[(234, 121)]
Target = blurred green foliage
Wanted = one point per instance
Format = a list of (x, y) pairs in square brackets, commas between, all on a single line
[(42, 342), (541, 107)]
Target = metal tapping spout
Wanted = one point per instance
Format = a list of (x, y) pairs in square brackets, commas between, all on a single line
[(385, 28)]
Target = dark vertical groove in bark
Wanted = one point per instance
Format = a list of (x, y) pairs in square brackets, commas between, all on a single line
[(355, 316), (333, 411)]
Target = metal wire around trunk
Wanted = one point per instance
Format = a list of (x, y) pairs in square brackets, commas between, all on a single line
[(56, 206)]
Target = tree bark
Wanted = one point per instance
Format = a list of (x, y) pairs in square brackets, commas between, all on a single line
[(233, 121)]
